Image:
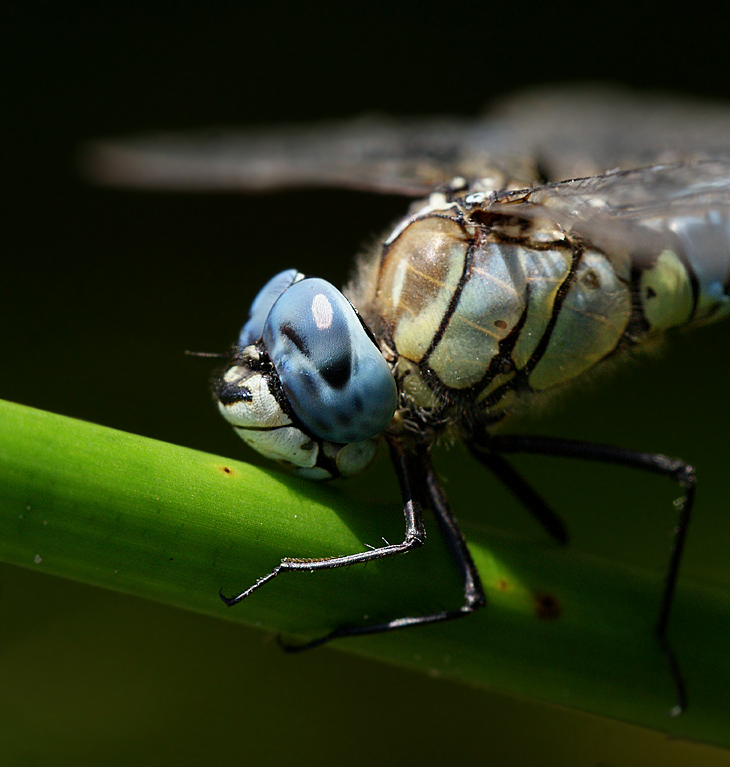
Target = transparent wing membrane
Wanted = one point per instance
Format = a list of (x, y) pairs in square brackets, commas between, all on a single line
[(546, 135)]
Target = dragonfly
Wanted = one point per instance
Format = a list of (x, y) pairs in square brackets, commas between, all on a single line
[(564, 230)]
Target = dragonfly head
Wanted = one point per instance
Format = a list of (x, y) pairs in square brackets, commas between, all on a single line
[(307, 384)]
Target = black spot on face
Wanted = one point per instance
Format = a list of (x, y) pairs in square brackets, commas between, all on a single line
[(650, 293), (230, 393)]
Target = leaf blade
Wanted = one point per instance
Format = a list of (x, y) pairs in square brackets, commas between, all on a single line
[(172, 524)]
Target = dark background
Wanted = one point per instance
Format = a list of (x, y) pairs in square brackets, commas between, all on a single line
[(102, 291)]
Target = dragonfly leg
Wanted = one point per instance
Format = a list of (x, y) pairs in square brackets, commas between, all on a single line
[(481, 448), (416, 471), (415, 537), (672, 468)]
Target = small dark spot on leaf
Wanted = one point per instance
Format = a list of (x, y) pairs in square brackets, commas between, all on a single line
[(547, 606), (650, 292), (502, 584), (226, 470)]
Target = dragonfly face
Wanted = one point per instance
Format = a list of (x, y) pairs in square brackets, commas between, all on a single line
[(308, 385)]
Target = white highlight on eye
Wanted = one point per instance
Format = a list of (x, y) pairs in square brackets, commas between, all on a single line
[(322, 311)]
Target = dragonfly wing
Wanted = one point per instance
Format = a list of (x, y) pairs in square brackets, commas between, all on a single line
[(372, 154), (545, 135), (632, 193), (632, 213), (584, 131)]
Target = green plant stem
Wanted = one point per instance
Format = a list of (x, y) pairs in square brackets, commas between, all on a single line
[(175, 525)]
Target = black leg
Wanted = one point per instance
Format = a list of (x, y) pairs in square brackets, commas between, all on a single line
[(416, 471), (673, 469), (520, 488), (474, 596)]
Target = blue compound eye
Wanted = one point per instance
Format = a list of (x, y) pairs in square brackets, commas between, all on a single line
[(261, 306), (334, 376)]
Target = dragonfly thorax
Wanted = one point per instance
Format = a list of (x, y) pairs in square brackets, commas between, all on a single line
[(479, 315)]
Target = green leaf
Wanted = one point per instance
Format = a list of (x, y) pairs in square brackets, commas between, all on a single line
[(175, 525)]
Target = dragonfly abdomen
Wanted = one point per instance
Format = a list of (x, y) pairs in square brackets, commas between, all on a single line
[(688, 283)]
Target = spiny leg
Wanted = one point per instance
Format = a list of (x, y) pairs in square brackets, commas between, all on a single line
[(415, 536), (672, 468), (480, 447), (416, 471)]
